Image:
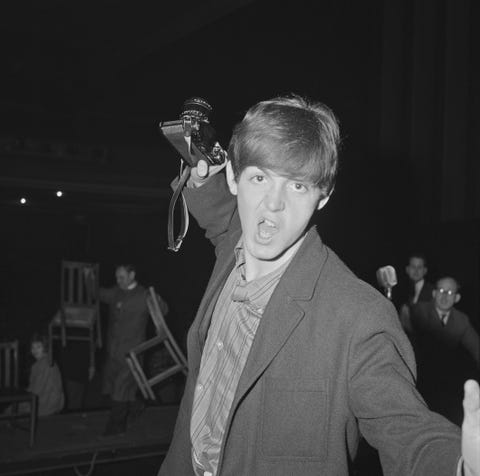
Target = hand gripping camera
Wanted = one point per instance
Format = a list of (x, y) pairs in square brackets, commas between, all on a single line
[(195, 139), (192, 135)]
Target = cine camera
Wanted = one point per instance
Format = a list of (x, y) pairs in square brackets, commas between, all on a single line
[(192, 135)]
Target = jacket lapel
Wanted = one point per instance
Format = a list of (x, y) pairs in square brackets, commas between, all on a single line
[(223, 266), (283, 312)]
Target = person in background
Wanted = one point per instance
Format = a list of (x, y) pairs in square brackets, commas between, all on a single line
[(291, 356), (418, 289), (128, 315), (447, 349), (45, 380)]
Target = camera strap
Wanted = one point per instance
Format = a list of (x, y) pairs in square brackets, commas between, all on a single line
[(174, 244)]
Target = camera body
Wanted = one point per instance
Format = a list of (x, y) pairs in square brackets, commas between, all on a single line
[(192, 135)]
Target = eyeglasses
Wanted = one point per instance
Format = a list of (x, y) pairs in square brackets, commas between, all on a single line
[(449, 292)]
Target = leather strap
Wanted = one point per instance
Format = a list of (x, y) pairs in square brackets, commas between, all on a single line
[(174, 244)]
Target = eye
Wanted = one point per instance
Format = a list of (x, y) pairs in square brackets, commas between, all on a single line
[(258, 178), (299, 187)]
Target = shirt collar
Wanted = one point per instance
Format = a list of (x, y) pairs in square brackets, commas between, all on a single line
[(442, 314), (255, 293)]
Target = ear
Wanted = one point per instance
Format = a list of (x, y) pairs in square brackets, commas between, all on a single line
[(232, 184), (457, 297), (434, 293), (323, 202)]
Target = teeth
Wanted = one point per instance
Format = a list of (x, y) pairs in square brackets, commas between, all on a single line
[(266, 228), (268, 223)]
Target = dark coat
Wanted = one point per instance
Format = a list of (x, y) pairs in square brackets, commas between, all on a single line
[(447, 355), (128, 315), (329, 360)]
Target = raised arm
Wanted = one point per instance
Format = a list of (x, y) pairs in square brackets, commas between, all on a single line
[(210, 201)]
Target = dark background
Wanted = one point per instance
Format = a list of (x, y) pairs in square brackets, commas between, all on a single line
[(83, 86)]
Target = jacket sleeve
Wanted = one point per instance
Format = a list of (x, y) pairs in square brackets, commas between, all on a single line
[(411, 440), (213, 207), (471, 342)]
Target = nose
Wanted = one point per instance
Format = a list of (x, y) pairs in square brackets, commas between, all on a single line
[(275, 199)]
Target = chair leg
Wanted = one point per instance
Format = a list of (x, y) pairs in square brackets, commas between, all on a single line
[(33, 419), (137, 377), (64, 334), (50, 343), (92, 350), (99, 331)]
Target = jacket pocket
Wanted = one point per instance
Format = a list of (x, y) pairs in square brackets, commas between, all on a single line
[(295, 419)]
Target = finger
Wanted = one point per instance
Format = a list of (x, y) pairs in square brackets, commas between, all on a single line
[(202, 168), (471, 402)]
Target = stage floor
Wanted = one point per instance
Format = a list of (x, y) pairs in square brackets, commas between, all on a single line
[(72, 439)]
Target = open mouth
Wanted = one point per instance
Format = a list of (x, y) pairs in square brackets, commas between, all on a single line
[(266, 229)]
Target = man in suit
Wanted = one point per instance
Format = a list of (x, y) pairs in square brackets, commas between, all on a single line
[(447, 349), (291, 356), (418, 289)]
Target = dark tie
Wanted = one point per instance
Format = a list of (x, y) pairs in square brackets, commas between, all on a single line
[(443, 318)]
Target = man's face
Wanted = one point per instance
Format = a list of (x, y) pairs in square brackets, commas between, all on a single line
[(274, 211), (37, 350), (446, 294), (416, 269), (124, 277)]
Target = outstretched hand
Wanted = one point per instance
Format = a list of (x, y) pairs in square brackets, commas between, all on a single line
[(471, 429), (203, 171)]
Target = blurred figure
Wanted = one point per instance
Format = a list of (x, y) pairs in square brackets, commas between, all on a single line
[(45, 380), (128, 316), (447, 349), (418, 289)]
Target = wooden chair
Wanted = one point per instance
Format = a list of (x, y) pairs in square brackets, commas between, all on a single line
[(163, 340), (78, 317), (10, 393)]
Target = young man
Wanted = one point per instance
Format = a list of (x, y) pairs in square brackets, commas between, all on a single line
[(447, 349), (291, 356), (418, 289)]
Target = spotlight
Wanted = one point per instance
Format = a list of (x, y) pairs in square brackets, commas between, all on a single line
[(59, 193), (23, 200)]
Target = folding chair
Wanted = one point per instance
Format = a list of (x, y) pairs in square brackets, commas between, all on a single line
[(78, 317), (10, 393), (165, 340)]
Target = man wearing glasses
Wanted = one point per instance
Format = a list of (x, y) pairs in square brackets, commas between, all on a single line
[(447, 348)]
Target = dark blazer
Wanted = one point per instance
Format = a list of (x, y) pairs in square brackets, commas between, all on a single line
[(329, 361), (447, 355), (457, 333), (425, 293)]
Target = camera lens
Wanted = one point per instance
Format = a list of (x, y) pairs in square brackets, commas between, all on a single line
[(197, 108)]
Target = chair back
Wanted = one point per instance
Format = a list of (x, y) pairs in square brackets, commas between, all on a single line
[(9, 364), (161, 325), (79, 284)]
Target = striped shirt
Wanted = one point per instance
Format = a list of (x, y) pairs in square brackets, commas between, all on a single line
[(234, 323)]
